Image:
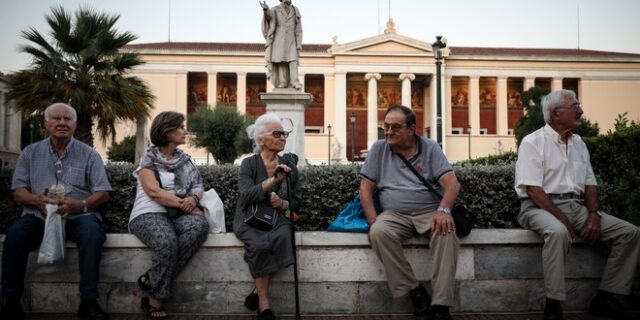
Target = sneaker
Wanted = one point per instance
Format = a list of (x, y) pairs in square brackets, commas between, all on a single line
[(12, 310), (606, 305), (421, 302), (439, 313), (90, 310), (553, 310)]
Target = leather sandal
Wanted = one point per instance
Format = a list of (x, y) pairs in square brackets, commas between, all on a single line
[(144, 281), (152, 311)]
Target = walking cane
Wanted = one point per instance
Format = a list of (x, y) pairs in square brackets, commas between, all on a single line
[(292, 159)]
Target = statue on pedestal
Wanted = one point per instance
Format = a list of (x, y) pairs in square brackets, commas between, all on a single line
[(282, 30)]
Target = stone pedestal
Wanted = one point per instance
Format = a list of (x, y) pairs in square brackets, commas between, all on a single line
[(289, 104)]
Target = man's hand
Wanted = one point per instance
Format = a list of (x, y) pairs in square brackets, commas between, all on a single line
[(563, 218), (43, 200), (264, 5), (442, 223), (68, 206), (590, 232)]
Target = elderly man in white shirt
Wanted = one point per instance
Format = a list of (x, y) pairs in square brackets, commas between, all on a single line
[(558, 189)]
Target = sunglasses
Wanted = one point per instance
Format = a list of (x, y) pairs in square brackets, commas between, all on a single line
[(278, 134)]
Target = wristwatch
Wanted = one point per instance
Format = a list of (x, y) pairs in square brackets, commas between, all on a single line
[(84, 203), (446, 211)]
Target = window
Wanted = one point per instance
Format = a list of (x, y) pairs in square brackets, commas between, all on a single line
[(314, 129), (456, 131), (483, 131)]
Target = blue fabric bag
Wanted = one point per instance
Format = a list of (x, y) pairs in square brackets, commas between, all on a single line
[(351, 218)]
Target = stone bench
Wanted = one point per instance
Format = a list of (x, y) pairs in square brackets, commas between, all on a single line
[(499, 270)]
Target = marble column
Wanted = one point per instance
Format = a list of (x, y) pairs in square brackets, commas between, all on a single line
[(434, 107), (474, 104), (502, 114), (406, 79), (372, 107), (556, 84), (340, 121), (181, 92), (329, 86), (447, 106), (212, 89), (241, 94)]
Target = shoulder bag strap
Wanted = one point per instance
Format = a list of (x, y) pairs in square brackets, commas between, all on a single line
[(424, 181)]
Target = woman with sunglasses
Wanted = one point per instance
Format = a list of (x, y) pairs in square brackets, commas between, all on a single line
[(262, 180)]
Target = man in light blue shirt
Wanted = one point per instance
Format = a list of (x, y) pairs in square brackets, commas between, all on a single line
[(57, 160)]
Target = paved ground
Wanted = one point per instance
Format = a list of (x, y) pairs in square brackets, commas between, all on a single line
[(520, 316)]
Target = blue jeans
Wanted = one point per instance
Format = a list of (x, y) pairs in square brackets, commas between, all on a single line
[(26, 235)]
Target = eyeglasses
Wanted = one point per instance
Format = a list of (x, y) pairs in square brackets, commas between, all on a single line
[(278, 134), (394, 127), (574, 106)]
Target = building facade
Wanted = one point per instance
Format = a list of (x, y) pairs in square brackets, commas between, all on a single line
[(353, 83), (10, 126)]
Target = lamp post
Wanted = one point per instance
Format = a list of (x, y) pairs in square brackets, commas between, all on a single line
[(329, 145), (437, 54), (469, 140), (353, 135)]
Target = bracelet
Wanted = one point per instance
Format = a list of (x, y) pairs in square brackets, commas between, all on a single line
[(195, 197)]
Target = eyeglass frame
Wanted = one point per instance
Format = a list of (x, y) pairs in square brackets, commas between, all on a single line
[(395, 127), (279, 133), (574, 106)]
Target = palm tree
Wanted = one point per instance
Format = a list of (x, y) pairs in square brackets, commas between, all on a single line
[(84, 67)]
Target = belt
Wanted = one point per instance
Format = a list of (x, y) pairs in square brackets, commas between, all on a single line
[(560, 196), (563, 196)]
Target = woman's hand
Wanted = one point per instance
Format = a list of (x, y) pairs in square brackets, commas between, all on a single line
[(188, 204), (281, 172), (276, 202)]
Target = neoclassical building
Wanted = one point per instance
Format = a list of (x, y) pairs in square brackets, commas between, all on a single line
[(353, 83), (10, 126)]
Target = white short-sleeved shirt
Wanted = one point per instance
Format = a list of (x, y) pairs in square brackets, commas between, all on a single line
[(143, 203), (545, 161)]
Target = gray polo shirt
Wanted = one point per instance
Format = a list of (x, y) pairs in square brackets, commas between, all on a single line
[(400, 189), (83, 172)]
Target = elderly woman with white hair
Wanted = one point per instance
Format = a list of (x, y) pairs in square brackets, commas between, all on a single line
[(262, 182)]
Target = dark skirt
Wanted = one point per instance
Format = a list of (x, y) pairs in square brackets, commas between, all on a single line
[(266, 251)]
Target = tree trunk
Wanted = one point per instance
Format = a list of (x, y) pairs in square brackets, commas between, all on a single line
[(84, 130)]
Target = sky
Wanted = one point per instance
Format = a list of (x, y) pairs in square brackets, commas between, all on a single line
[(610, 25)]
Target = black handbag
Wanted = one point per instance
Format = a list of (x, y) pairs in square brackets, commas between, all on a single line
[(458, 212), (261, 216)]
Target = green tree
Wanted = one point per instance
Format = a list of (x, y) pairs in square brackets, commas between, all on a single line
[(534, 119), (81, 64), (124, 150), (221, 132)]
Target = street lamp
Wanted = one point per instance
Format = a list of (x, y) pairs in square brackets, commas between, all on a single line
[(353, 135), (329, 145), (437, 54)]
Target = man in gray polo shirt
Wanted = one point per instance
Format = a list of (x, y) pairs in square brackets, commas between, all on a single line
[(59, 159), (411, 209)]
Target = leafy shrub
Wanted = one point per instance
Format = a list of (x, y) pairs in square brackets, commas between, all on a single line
[(124, 150), (615, 158), (504, 158), (487, 187)]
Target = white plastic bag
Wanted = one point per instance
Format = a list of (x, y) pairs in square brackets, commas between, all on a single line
[(52, 246), (214, 211)]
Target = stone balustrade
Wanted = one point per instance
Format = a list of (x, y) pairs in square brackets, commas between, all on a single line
[(499, 270)]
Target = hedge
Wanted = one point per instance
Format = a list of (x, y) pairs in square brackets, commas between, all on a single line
[(487, 189)]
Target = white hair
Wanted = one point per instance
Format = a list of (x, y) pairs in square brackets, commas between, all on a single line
[(47, 111), (554, 100), (258, 129)]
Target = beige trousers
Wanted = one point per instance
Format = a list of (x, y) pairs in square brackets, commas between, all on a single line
[(387, 235), (622, 235)]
